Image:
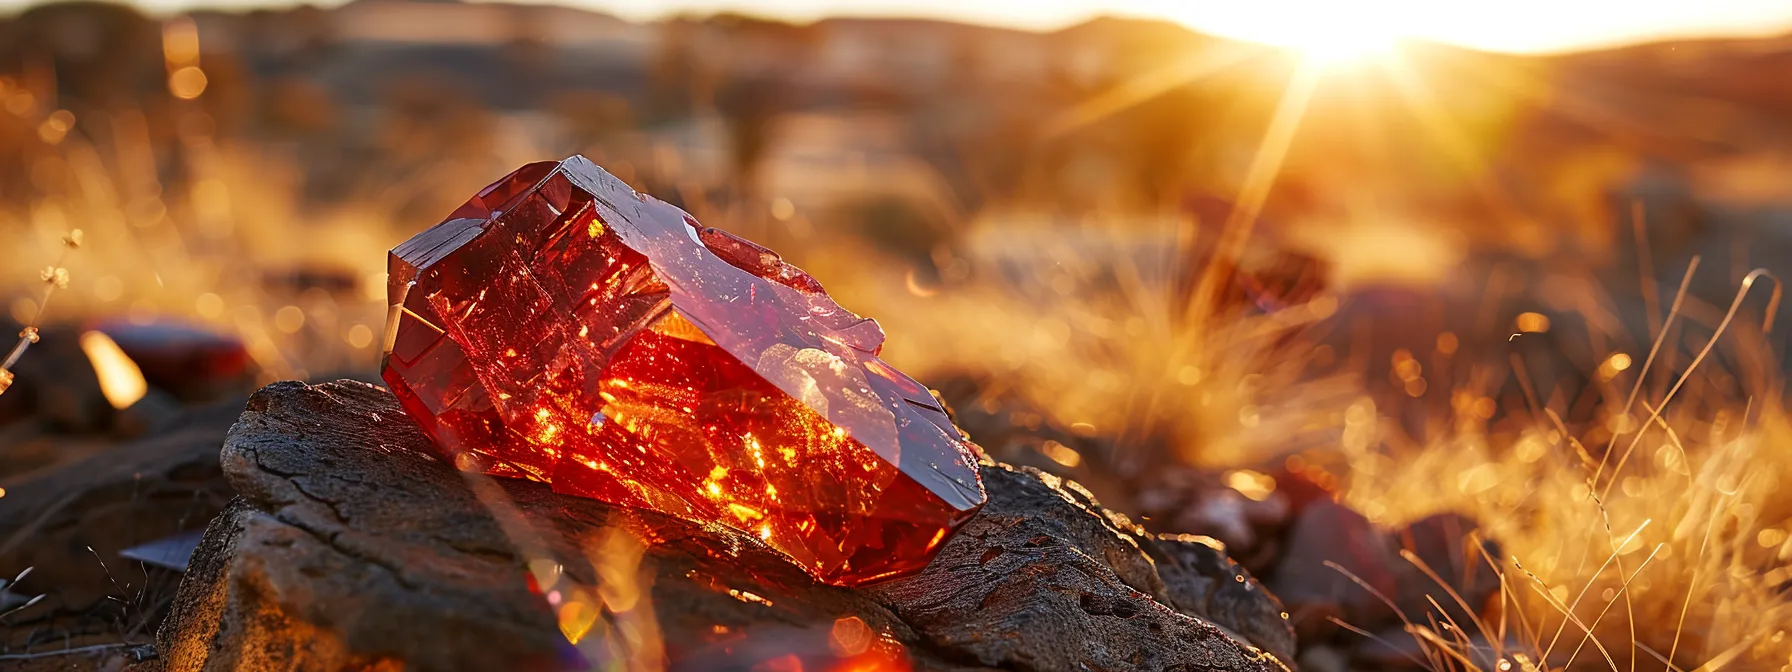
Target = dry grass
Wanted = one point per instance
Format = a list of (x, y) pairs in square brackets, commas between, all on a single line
[(1657, 534), (1657, 531), (1639, 538)]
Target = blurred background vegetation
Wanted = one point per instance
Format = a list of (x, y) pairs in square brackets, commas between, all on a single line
[(1457, 261)]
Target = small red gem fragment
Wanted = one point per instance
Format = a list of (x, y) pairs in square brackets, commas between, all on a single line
[(563, 328)]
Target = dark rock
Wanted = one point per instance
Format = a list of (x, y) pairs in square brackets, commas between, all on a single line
[(1031, 583), (188, 361), (1299, 490), (65, 520), (55, 383), (150, 414), (1314, 592), (354, 546), (1222, 513), (1183, 500), (1201, 580), (1445, 543)]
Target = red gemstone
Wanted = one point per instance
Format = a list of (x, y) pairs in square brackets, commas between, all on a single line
[(564, 328)]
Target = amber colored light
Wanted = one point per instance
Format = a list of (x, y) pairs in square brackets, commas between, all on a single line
[(121, 382), (289, 319), (55, 128), (180, 41), (1447, 343), (1255, 485), (187, 83), (1532, 323), (1060, 453), (359, 336), (576, 614), (880, 654), (1619, 362), (561, 327), (850, 636)]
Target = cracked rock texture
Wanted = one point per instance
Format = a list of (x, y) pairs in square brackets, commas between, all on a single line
[(352, 547)]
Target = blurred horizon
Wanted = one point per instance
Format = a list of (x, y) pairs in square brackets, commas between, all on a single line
[(1522, 27), (1434, 277)]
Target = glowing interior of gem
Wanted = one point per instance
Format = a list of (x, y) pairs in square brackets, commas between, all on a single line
[(562, 327)]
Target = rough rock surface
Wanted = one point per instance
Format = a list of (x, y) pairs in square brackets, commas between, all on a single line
[(1201, 580), (1326, 531), (353, 548), (68, 522), (1044, 578)]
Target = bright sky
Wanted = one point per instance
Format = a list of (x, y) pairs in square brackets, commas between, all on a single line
[(1503, 25)]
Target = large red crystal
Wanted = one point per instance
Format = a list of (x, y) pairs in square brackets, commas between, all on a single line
[(565, 328)]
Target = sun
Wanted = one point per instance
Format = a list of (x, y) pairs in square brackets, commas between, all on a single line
[(1339, 37), (1340, 48), (1323, 33)]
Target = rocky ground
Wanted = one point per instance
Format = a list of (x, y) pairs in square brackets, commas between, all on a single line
[(351, 545), (334, 539)]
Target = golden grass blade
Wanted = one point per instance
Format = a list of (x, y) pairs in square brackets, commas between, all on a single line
[(1642, 374), (1729, 655), (1481, 625), (1723, 326), (1692, 584), (1336, 621), (1589, 586), (1622, 589)]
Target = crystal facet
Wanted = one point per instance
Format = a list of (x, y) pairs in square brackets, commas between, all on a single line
[(565, 328)]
